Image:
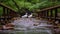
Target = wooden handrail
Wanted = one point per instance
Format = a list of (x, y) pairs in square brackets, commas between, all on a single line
[(3, 5), (8, 12), (45, 9), (50, 13)]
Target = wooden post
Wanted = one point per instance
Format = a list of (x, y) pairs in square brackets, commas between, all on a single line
[(7, 13), (38, 14), (47, 15), (4, 14), (42, 14), (51, 13), (55, 13), (4, 11)]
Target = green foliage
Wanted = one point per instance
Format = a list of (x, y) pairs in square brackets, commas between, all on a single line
[(30, 4)]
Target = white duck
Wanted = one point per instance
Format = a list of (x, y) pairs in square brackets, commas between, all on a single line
[(25, 15), (30, 16)]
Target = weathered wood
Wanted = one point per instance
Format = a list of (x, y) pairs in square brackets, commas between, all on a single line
[(3, 5), (51, 13), (7, 11), (4, 11), (56, 12), (47, 13), (42, 14), (58, 6)]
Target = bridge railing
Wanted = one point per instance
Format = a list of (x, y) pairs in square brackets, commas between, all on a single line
[(8, 14), (7, 11), (50, 13)]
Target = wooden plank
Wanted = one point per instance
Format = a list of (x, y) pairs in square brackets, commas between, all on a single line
[(4, 11), (3, 5), (49, 8), (42, 14), (56, 11), (58, 6), (51, 13), (58, 18), (47, 13)]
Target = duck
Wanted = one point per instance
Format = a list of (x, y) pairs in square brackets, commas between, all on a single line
[(30, 16), (24, 16)]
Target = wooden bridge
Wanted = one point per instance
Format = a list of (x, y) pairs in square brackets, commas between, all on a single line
[(7, 10), (50, 13), (8, 13)]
